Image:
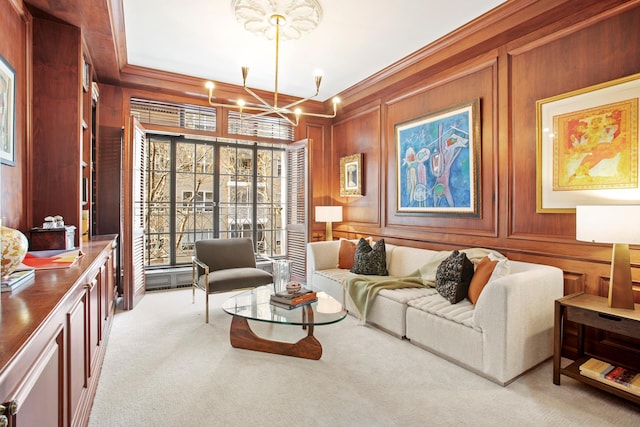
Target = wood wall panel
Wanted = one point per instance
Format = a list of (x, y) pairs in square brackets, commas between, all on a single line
[(359, 134), (109, 161), (14, 38), (463, 84), (558, 64), (57, 150)]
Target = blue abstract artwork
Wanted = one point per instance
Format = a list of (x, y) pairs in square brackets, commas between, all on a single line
[(436, 162)]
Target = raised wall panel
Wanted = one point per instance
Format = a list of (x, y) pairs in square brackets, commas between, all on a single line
[(57, 123), (540, 68), (359, 134), (475, 80)]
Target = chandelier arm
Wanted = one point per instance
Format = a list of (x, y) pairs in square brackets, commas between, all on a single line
[(238, 107), (256, 96), (293, 104), (325, 116)]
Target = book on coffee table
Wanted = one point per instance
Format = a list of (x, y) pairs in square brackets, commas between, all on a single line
[(289, 306), (302, 295)]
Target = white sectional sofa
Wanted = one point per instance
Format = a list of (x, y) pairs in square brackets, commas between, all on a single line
[(508, 331)]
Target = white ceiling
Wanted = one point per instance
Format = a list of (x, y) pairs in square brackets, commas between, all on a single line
[(355, 39)]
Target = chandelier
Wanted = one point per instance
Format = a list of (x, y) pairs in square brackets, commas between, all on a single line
[(275, 19)]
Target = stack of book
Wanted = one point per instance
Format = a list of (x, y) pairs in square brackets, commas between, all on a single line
[(616, 376), (16, 279), (289, 301)]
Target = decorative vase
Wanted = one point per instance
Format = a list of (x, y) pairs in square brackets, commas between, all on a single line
[(14, 248), (281, 274), (293, 287)]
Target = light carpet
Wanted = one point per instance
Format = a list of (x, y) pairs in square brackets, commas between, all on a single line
[(165, 366)]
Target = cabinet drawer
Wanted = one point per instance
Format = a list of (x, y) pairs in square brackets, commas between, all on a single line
[(604, 321)]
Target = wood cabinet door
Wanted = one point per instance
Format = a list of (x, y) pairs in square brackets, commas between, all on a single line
[(78, 364), (39, 398)]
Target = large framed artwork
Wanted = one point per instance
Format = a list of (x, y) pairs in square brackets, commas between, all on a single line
[(437, 162), (7, 113), (587, 146), (351, 175)]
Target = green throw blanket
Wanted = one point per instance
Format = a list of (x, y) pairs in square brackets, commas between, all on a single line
[(363, 289)]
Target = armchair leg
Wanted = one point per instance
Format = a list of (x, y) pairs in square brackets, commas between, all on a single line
[(207, 308), (193, 293)]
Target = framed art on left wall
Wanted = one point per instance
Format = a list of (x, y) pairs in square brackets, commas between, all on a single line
[(7, 113)]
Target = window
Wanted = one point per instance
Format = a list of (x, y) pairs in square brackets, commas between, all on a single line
[(203, 200), (205, 189)]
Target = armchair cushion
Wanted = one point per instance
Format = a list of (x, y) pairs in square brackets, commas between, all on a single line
[(235, 278)]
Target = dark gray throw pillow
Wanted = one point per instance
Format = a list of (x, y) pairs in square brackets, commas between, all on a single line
[(453, 277), (368, 260)]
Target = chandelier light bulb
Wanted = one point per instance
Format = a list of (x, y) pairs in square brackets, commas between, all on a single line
[(209, 85), (297, 112)]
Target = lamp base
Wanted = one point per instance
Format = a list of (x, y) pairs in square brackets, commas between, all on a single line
[(620, 286), (328, 232)]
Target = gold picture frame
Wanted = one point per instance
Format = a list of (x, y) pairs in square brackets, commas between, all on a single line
[(351, 175), (587, 146)]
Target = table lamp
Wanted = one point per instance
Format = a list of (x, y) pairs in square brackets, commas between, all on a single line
[(616, 224), (328, 214)]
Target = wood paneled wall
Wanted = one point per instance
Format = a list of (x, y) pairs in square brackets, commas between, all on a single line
[(15, 28), (562, 49)]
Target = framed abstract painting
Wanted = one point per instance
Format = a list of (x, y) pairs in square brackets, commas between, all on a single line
[(587, 146), (437, 162)]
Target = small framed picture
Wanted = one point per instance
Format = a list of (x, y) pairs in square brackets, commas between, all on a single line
[(85, 75), (7, 113), (351, 175)]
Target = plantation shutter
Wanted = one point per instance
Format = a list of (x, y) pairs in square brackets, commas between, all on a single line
[(297, 207), (134, 219)]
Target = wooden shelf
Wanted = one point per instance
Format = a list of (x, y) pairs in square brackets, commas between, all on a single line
[(590, 310), (573, 371)]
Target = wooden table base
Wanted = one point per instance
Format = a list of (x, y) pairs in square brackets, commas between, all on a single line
[(243, 337)]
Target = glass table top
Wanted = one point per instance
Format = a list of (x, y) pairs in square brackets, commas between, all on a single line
[(254, 305)]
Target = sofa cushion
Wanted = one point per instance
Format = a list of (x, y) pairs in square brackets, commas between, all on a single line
[(480, 278), (346, 254), (370, 261), (453, 277), (437, 305)]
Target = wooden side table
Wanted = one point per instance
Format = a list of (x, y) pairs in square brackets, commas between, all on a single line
[(593, 311)]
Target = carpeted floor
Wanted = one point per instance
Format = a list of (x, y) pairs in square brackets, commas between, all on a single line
[(165, 366)]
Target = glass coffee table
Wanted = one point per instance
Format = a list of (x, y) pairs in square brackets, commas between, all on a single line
[(254, 305)]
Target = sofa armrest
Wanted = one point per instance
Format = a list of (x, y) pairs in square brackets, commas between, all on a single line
[(321, 256), (515, 314)]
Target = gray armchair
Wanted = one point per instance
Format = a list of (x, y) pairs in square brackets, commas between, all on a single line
[(221, 265)]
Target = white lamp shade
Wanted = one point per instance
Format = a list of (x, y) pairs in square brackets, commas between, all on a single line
[(608, 224), (328, 213)]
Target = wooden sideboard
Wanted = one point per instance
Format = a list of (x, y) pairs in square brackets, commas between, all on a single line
[(53, 338)]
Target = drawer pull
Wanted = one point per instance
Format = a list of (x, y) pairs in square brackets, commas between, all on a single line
[(610, 317)]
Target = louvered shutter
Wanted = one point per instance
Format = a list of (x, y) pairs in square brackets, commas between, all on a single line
[(297, 206), (134, 215)]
